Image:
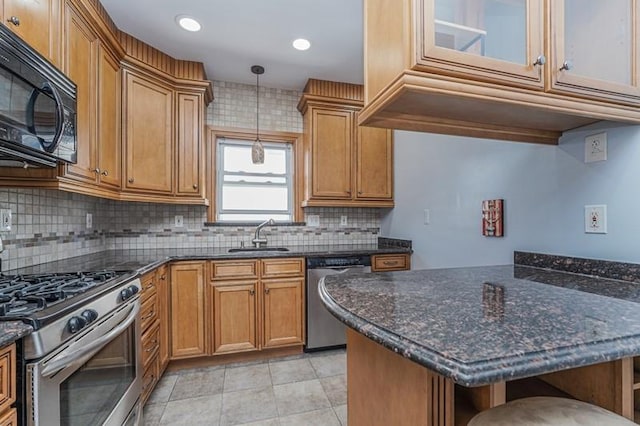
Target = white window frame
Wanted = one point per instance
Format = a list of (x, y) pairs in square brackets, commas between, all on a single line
[(289, 174)]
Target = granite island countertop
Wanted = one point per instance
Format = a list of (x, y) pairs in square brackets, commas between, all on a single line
[(483, 325)]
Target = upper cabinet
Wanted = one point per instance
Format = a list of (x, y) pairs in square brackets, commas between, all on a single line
[(148, 134), (494, 40), (523, 70), (601, 63), (346, 165), (140, 113), (37, 22)]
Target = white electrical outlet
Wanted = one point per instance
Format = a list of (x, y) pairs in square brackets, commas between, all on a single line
[(179, 221), (595, 219), (427, 216), (89, 221), (5, 220), (595, 148), (344, 221), (313, 220)]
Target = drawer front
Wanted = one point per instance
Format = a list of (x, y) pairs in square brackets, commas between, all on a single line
[(150, 344), (150, 378), (234, 269), (390, 262), (289, 267), (148, 285), (149, 312), (7, 377)]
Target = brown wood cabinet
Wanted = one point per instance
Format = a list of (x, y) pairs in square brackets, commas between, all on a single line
[(8, 385), (37, 23), (187, 310), (139, 131), (283, 312), (234, 316), (519, 71), (148, 134), (390, 262), (345, 165), (162, 281), (256, 304)]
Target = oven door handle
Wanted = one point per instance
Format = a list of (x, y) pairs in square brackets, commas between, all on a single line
[(60, 363)]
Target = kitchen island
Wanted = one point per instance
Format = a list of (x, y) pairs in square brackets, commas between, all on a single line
[(434, 347)]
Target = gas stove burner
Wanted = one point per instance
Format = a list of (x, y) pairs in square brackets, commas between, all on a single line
[(24, 295)]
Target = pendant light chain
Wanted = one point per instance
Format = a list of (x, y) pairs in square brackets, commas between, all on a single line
[(257, 149)]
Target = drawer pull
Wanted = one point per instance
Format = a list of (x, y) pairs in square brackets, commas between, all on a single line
[(14, 20), (152, 379), (152, 349), (390, 262), (146, 317), (163, 277)]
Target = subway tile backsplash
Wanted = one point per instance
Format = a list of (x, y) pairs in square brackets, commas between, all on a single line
[(50, 225)]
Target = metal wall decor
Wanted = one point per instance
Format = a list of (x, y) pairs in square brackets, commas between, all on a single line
[(492, 218)]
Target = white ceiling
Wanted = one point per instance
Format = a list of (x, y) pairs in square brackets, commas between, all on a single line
[(239, 33)]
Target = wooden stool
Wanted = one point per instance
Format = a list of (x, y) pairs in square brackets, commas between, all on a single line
[(542, 410)]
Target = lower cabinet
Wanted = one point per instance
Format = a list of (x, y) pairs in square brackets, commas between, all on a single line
[(283, 312), (257, 304), (187, 310), (8, 386), (234, 316), (162, 281)]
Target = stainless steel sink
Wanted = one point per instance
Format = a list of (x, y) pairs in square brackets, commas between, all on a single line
[(254, 249)]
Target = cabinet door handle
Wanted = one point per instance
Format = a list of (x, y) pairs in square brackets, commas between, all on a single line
[(252, 292), (14, 20), (566, 66), (540, 60), (164, 277), (105, 173), (266, 291), (96, 170), (195, 186), (130, 180)]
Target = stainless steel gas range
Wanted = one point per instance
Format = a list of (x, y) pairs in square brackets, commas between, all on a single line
[(81, 365)]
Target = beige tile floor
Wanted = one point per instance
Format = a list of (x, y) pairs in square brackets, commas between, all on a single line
[(308, 389)]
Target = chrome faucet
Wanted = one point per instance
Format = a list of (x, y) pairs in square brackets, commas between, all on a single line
[(257, 240)]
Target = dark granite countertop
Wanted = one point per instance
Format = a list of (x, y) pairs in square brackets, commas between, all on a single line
[(10, 331), (141, 261), (482, 325), (146, 260)]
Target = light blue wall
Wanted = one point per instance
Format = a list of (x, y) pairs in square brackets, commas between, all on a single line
[(545, 189)]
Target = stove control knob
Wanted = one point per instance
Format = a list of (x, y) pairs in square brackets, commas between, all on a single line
[(89, 315), (125, 293), (76, 324), (133, 289)]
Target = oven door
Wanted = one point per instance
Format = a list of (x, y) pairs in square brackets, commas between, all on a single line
[(95, 379)]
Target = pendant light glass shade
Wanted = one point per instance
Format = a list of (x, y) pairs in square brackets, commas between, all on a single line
[(257, 149)]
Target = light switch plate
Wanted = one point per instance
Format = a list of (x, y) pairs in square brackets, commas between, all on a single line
[(595, 219)]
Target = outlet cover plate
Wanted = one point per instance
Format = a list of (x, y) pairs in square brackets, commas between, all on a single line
[(178, 221), (5, 220), (344, 221), (89, 221), (595, 219), (313, 220), (595, 148)]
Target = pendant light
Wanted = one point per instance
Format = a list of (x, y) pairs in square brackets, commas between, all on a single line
[(257, 149)]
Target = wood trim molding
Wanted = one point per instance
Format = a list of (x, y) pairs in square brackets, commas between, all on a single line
[(334, 89), (213, 133)]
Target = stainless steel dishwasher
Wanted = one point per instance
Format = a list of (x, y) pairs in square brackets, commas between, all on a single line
[(324, 331)]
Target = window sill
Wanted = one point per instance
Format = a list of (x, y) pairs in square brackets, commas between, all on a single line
[(236, 224)]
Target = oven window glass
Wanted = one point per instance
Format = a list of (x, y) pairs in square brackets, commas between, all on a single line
[(89, 395), (30, 111)]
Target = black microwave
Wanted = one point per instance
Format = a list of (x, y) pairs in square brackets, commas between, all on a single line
[(37, 107)]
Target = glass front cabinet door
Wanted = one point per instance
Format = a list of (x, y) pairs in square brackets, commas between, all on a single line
[(492, 40), (595, 49)]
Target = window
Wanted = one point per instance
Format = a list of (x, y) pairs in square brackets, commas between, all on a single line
[(253, 192)]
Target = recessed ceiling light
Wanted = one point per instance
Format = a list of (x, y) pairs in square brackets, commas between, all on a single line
[(301, 44), (188, 23)]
